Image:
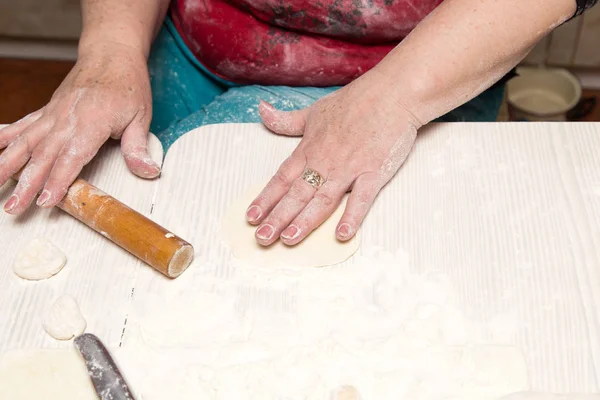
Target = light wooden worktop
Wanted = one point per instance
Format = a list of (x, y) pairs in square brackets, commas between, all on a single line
[(509, 211)]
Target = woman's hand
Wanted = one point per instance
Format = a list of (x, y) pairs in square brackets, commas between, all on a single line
[(106, 94), (356, 138)]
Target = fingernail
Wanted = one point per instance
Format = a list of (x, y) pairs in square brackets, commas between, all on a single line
[(152, 173), (253, 213), (266, 105), (154, 168), (44, 197), (291, 232), (12, 203), (344, 230), (150, 162), (265, 232)]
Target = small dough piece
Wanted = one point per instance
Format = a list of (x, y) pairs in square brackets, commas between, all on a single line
[(319, 249), (347, 393), (38, 260), (45, 374), (64, 320)]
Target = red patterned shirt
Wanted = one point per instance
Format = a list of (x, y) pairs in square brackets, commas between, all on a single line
[(297, 42)]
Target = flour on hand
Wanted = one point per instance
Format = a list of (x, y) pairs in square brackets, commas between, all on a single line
[(38, 260), (64, 320)]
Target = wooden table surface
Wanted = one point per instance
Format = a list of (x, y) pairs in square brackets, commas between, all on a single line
[(510, 212)]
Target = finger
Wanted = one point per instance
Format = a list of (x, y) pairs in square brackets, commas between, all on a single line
[(290, 205), (71, 159), (277, 187), (134, 145), (36, 172), (289, 123), (18, 153), (364, 192), (323, 204), (10, 132)]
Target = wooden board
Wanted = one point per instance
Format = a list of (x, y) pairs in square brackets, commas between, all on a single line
[(510, 212), (98, 274)]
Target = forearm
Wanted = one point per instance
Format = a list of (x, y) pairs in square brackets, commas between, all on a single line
[(132, 23), (463, 47)]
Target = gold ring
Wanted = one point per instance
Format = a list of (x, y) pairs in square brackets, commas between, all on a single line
[(313, 178)]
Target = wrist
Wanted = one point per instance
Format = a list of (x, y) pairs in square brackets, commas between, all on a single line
[(106, 50), (397, 95), (100, 41), (418, 88)]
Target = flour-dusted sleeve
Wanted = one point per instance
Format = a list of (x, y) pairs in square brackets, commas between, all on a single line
[(583, 5)]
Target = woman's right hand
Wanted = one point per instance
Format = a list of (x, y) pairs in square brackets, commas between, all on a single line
[(106, 94)]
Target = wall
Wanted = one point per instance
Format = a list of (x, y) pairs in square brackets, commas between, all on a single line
[(40, 19), (574, 44)]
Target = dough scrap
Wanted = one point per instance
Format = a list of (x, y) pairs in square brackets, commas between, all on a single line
[(39, 259), (347, 393), (45, 374), (319, 249), (64, 320)]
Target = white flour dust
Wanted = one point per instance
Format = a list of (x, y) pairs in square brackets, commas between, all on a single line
[(232, 330)]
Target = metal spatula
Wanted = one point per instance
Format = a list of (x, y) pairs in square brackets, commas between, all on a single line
[(106, 378)]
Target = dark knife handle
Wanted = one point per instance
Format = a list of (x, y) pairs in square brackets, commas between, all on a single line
[(105, 376)]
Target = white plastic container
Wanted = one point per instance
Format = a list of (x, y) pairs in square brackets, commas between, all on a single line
[(540, 94)]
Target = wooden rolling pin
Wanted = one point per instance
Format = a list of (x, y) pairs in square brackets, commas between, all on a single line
[(145, 239)]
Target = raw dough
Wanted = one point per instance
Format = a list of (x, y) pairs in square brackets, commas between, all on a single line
[(64, 320), (347, 393), (39, 259), (44, 375), (319, 249)]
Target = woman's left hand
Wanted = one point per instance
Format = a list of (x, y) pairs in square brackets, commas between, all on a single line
[(356, 138)]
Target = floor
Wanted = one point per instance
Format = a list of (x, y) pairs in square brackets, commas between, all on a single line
[(29, 84)]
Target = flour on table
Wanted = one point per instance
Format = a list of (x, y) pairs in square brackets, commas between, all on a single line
[(64, 320), (319, 249), (39, 259), (302, 333), (550, 396), (44, 374)]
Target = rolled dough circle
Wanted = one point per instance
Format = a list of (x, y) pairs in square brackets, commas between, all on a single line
[(64, 320), (321, 248), (38, 260), (45, 374)]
